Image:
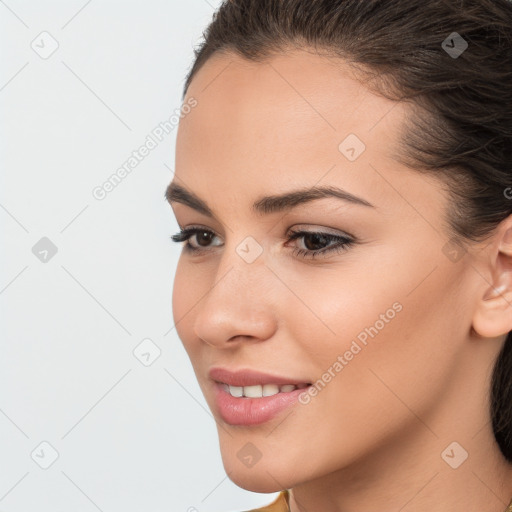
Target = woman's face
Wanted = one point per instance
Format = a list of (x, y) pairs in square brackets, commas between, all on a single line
[(382, 321)]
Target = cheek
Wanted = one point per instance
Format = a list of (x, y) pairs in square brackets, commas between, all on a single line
[(341, 312), (400, 347), (374, 333)]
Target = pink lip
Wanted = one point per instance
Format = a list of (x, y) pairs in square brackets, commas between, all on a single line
[(252, 411), (249, 377)]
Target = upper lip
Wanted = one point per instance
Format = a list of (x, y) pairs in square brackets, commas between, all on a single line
[(248, 377)]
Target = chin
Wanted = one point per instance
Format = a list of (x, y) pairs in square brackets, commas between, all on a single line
[(264, 476), (256, 480)]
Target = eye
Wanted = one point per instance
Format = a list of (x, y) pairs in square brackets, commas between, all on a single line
[(328, 242), (202, 235)]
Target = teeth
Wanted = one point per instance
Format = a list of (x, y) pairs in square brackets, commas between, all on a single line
[(236, 391), (259, 391), (253, 391), (270, 389)]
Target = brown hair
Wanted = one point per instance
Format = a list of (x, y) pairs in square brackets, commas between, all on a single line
[(459, 87)]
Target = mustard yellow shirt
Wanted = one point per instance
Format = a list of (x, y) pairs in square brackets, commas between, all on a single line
[(281, 504)]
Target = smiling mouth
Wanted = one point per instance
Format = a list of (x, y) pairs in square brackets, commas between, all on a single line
[(260, 391)]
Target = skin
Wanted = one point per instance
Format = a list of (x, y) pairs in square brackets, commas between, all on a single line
[(372, 438)]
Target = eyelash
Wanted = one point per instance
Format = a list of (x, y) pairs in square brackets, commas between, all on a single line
[(343, 244)]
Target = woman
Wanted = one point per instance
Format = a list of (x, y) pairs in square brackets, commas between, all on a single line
[(343, 185)]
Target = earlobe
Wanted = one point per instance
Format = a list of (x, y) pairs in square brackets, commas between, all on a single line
[(493, 316)]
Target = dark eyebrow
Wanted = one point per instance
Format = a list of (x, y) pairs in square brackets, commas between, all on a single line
[(267, 204)]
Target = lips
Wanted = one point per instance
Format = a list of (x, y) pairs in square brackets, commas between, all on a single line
[(248, 397), (250, 378)]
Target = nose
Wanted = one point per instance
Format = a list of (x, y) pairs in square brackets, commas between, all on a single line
[(240, 305)]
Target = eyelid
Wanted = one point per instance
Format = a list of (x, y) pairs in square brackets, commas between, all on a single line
[(315, 228), (312, 228)]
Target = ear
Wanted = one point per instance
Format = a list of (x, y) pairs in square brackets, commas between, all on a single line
[(493, 315)]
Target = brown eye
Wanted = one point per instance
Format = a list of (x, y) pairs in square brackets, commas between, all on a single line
[(203, 237), (320, 244), (313, 240)]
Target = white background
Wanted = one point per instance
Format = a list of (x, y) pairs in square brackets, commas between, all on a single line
[(129, 437)]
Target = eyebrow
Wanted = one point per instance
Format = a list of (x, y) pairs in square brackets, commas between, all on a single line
[(267, 204)]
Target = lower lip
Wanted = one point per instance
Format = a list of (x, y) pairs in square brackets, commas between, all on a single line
[(252, 411)]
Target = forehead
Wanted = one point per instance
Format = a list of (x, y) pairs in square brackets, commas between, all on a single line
[(319, 92), (295, 118)]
